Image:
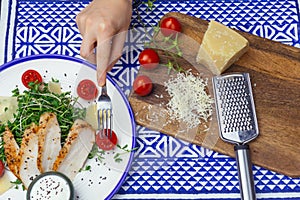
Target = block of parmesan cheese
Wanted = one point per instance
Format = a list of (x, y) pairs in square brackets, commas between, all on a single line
[(221, 47)]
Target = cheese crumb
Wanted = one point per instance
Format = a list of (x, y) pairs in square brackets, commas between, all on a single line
[(189, 101), (8, 106)]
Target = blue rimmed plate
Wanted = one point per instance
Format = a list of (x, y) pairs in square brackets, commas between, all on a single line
[(105, 176)]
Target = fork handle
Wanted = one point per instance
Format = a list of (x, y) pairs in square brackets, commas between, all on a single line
[(245, 173), (104, 89)]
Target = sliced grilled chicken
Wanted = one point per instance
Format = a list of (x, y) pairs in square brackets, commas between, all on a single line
[(78, 145), (49, 141), (11, 150), (28, 169)]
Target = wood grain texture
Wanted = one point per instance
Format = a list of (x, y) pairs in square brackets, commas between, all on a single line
[(274, 69)]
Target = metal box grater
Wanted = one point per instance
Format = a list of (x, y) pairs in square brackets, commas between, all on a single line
[(237, 123)]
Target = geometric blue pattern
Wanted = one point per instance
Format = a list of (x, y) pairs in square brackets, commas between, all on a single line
[(53, 31), (165, 167)]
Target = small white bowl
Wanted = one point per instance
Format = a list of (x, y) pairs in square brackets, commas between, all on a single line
[(51, 185)]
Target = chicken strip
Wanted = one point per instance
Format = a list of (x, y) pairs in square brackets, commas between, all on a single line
[(11, 150), (74, 153), (49, 141), (28, 169)]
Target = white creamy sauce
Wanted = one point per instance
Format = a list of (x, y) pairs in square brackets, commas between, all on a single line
[(50, 187)]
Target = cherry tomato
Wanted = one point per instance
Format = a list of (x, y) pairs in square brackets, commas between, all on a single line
[(142, 85), (170, 26), (149, 59), (106, 142), (31, 76), (2, 168), (87, 89)]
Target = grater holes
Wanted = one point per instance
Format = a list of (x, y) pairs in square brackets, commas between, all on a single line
[(235, 104)]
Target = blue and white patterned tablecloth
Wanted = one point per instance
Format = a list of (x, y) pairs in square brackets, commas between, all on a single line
[(163, 167)]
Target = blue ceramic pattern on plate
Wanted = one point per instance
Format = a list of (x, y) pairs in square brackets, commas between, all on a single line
[(164, 165)]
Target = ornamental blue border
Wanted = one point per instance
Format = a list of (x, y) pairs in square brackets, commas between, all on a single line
[(80, 61)]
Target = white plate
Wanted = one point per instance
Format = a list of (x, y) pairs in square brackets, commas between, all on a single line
[(105, 178)]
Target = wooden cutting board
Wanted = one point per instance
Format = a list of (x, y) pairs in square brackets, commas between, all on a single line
[(274, 69)]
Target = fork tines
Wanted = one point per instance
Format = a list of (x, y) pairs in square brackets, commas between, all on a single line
[(105, 121), (105, 114)]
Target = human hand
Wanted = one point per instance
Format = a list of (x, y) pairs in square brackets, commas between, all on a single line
[(103, 25)]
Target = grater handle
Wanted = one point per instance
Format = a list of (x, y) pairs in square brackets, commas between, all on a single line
[(245, 172)]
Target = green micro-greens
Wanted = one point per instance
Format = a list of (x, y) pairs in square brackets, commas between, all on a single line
[(32, 103)]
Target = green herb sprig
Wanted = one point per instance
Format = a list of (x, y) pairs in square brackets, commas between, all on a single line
[(18, 183), (99, 153), (117, 156), (169, 45)]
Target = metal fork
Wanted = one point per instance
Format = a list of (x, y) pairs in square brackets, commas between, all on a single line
[(105, 115)]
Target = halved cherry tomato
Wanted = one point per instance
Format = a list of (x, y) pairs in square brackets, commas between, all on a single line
[(2, 168), (149, 59), (87, 89), (106, 141), (142, 85), (170, 26), (31, 76)]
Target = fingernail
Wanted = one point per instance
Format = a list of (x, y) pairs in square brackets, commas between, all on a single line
[(101, 82)]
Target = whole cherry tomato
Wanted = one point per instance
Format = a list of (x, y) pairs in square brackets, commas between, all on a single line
[(149, 59), (31, 76), (170, 26), (2, 168), (106, 140), (87, 89), (142, 85)]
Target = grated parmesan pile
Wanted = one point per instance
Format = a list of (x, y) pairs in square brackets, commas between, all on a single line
[(189, 101)]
